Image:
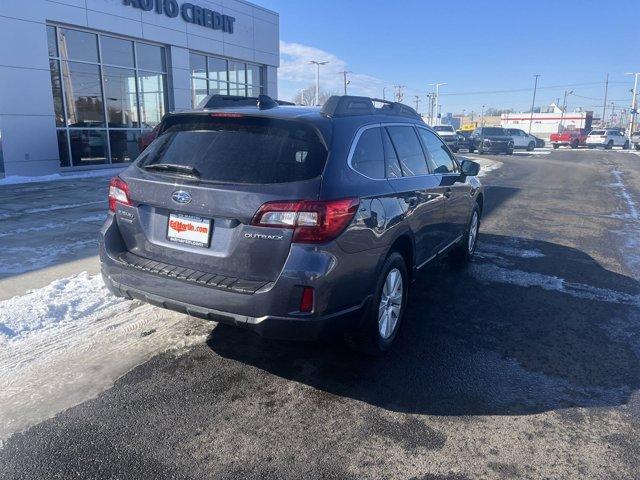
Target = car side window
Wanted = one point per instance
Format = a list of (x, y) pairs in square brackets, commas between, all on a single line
[(409, 151), (368, 156), (439, 156), (392, 165)]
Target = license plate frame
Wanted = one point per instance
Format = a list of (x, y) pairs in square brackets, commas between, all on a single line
[(189, 230)]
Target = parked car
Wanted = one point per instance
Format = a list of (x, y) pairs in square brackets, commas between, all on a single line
[(464, 139), (449, 135), (491, 140), (522, 139), (573, 138), (635, 140), (607, 138), (240, 215)]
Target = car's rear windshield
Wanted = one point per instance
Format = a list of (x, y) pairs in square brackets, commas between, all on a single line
[(597, 132), (443, 128), (493, 131), (239, 150)]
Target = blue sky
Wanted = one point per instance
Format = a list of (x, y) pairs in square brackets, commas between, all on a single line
[(478, 46)]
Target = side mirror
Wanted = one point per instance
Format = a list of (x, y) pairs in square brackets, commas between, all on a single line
[(469, 168)]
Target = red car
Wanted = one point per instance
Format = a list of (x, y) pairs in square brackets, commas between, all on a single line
[(569, 138)]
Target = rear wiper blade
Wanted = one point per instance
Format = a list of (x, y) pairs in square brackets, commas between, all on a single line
[(172, 167)]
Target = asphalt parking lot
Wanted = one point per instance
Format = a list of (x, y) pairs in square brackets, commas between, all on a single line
[(524, 365)]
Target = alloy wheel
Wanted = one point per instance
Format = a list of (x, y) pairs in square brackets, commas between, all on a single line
[(390, 305), (473, 232)]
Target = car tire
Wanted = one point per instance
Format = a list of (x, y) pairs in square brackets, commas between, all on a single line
[(531, 146), (626, 145), (574, 144), (471, 149), (637, 146), (609, 145), (462, 253), (509, 152), (380, 323), (556, 146)]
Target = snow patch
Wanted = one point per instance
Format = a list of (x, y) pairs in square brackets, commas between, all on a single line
[(50, 208), (18, 180), (54, 225), (510, 251), (26, 259), (633, 209)]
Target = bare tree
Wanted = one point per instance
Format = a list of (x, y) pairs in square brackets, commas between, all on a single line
[(307, 96)]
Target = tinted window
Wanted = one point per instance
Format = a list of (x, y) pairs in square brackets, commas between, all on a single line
[(368, 156), (443, 128), (246, 150), (597, 132), (409, 151), (392, 166), (441, 161), (493, 131)]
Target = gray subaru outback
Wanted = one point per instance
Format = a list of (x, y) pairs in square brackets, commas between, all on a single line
[(289, 221)]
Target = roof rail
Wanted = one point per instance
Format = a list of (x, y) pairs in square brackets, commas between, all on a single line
[(349, 105), (263, 102)]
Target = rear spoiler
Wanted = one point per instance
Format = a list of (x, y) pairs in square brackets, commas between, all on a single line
[(263, 102)]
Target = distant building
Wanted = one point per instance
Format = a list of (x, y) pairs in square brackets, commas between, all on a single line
[(550, 120)]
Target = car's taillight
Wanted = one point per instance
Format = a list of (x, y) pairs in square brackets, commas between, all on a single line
[(312, 221), (118, 192)]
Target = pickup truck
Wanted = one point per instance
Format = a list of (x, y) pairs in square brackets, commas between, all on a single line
[(635, 139), (570, 138)]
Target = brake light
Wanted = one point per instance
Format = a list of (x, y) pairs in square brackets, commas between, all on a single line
[(306, 300), (118, 193), (312, 221), (226, 115)]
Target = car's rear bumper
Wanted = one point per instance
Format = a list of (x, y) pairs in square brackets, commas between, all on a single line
[(270, 308)]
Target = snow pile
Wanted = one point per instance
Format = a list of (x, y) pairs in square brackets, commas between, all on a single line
[(487, 166), (65, 300), (18, 180)]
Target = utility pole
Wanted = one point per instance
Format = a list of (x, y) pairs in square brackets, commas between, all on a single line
[(533, 103), (417, 102), (317, 64), (399, 92), (564, 107), (346, 82), (634, 104), (429, 108), (604, 105), (437, 97), (384, 93)]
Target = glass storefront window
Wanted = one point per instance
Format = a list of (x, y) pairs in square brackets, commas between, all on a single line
[(77, 45), (116, 51), (150, 57), (83, 93), (225, 78), (95, 76), (152, 95), (88, 147), (120, 93), (56, 87)]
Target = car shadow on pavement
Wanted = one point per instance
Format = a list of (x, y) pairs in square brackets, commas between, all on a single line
[(528, 327)]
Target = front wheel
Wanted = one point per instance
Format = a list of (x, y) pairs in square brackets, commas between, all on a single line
[(637, 146), (556, 146), (609, 145), (574, 144), (531, 146), (626, 145), (471, 149), (510, 151), (383, 317)]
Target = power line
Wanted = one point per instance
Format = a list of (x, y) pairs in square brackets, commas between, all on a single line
[(517, 90)]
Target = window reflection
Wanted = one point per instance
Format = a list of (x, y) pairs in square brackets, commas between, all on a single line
[(198, 90), (88, 147), (116, 51), (51, 41), (83, 94), (152, 105), (56, 87), (63, 148), (77, 45), (120, 93), (150, 57), (124, 145)]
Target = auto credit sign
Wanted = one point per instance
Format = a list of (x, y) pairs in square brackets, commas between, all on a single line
[(188, 11)]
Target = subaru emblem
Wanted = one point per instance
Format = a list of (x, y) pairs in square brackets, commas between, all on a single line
[(180, 196)]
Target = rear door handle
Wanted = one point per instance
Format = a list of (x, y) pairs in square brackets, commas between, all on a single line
[(447, 192)]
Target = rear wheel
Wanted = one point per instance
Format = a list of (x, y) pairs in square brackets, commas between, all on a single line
[(574, 144), (637, 146), (509, 151), (609, 145), (383, 317), (556, 146), (531, 146)]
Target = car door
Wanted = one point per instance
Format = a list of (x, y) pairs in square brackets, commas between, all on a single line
[(457, 191), (419, 193)]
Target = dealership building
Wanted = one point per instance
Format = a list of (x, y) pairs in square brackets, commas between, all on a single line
[(82, 80)]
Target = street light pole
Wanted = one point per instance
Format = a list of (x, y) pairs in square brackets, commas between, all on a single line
[(317, 64), (437, 97), (634, 104), (564, 107), (533, 103)]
